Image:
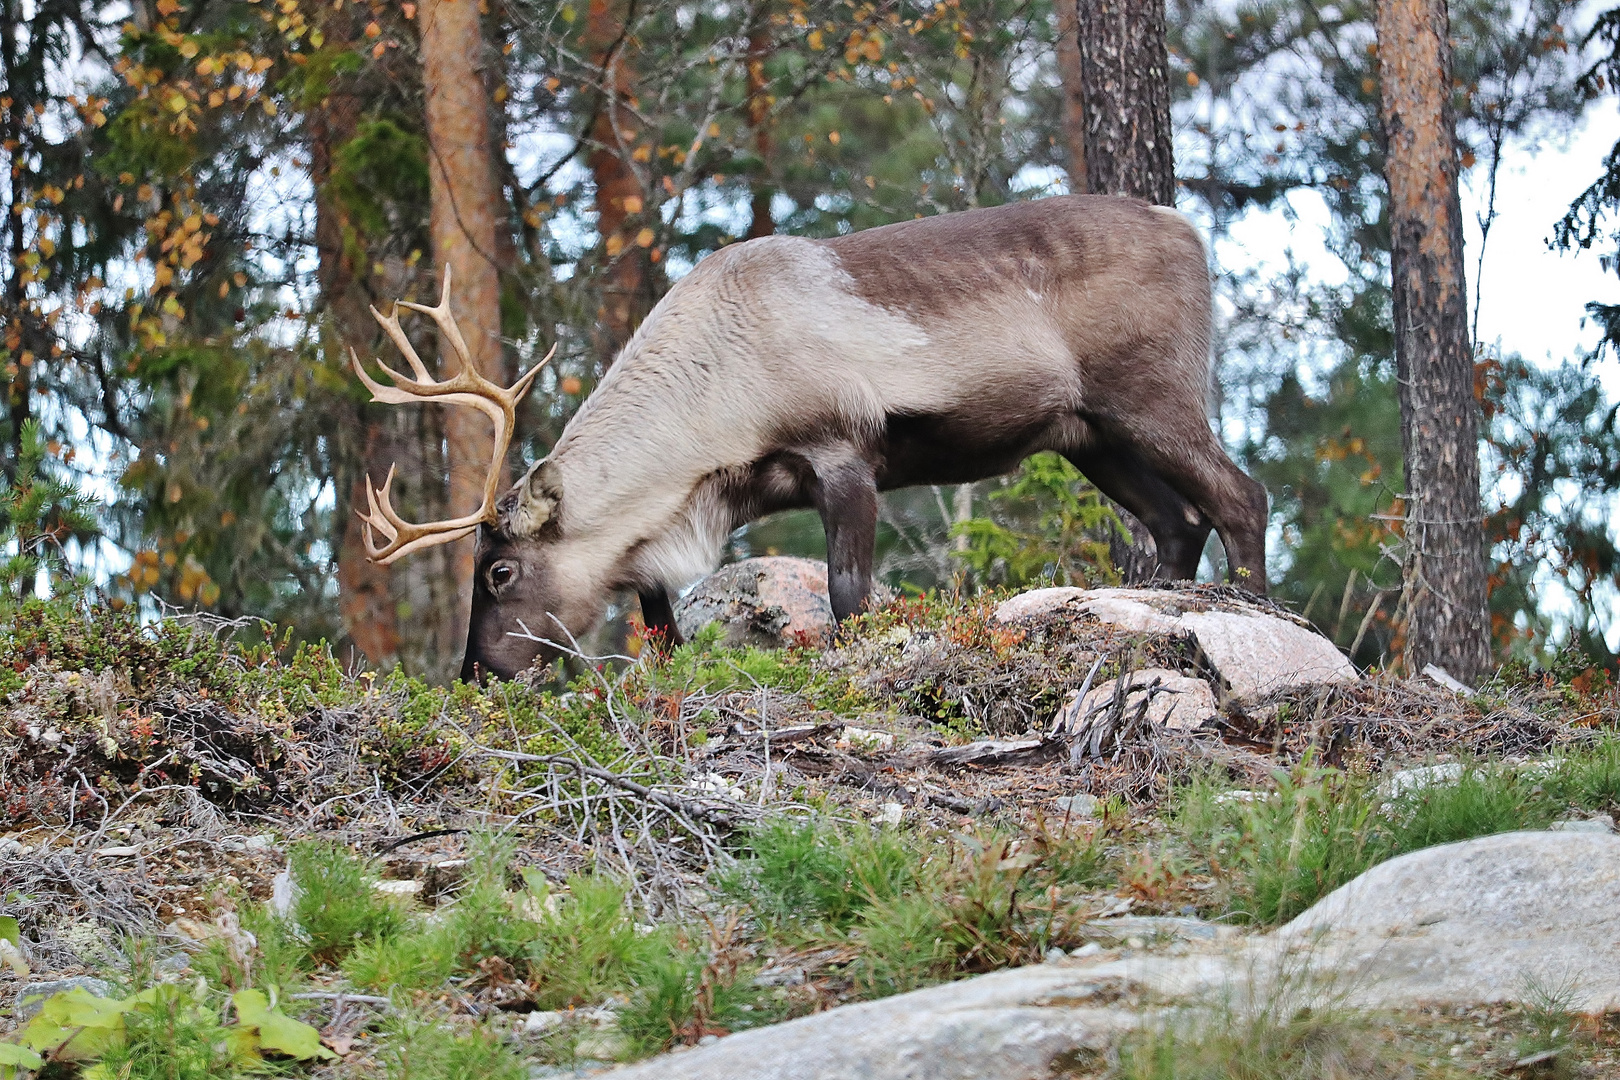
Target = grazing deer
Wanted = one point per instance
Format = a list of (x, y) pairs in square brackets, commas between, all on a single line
[(787, 372)]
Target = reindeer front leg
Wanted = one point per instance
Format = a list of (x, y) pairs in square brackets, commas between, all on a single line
[(845, 494), (658, 615)]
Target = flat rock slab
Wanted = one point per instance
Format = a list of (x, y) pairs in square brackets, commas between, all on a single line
[(1465, 923), (766, 602), (1009, 1025), (1258, 655), (1472, 922), (1254, 652)]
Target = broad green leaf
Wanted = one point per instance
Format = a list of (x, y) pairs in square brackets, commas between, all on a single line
[(10, 931), (12, 1054), (278, 1031), (76, 1025)]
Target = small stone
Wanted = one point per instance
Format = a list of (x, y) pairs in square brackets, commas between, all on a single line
[(1054, 954), (397, 888), (1407, 781), (118, 852), (864, 741), (1076, 806), (1597, 823), (1182, 703), (539, 1022), (1090, 948), (32, 998), (263, 842), (1239, 796), (768, 602), (891, 813), (708, 1040)]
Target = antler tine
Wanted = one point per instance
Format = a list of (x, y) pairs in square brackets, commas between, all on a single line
[(396, 334), (402, 536), (466, 387), (446, 321)]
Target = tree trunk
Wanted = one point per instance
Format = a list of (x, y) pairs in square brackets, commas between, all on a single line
[(1124, 112), (1125, 78), (466, 208), (1445, 545), (365, 596), (1074, 97), (626, 290), (759, 108)]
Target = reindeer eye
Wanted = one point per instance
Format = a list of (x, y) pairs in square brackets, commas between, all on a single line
[(501, 575)]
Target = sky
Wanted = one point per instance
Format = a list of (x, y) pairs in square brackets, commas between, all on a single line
[(1532, 298)]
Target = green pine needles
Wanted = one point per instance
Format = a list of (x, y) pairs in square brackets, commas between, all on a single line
[(39, 514)]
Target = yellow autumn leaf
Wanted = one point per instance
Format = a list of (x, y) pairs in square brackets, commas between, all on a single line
[(644, 238), (615, 244), (632, 204), (188, 48)]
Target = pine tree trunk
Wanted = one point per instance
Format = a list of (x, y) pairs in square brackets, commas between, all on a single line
[(759, 108), (1445, 561), (1074, 95), (1124, 109), (365, 595), (466, 210), (626, 288), (1125, 76)]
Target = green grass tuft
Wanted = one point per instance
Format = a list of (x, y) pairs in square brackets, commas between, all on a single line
[(807, 872), (337, 908), (416, 1048)]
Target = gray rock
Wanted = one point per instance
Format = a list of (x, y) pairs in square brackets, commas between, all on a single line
[(32, 998), (1587, 825), (1255, 652), (766, 602), (1183, 703), (1078, 806), (1257, 655), (1008, 1025), (1147, 926), (1471, 922), (1037, 603), (1466, 923)]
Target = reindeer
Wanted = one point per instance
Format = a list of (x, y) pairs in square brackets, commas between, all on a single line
[(787, 372)]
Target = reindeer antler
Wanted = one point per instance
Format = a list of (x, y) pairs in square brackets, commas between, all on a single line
[(466, 387)]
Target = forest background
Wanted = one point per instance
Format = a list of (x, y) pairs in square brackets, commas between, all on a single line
[(203, 199)]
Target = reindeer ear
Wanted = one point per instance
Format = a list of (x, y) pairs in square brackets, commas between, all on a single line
[(531, 503)]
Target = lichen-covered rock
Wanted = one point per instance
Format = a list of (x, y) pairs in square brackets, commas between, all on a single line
[(1257, 654), (1255, 650), (1020, 1024), (766, 602), (1181, 703)]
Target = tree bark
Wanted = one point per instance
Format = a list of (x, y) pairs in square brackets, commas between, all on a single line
[(1125, 79), (1074, 96), (366, 602), (466, 209), (1444, 570), (1125, 149), (627, 288), (759, 109)]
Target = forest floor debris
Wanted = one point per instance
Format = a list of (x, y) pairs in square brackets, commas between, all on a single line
[(789, 823)]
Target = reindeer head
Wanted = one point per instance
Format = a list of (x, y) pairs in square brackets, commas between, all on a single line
[(512, 578)]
